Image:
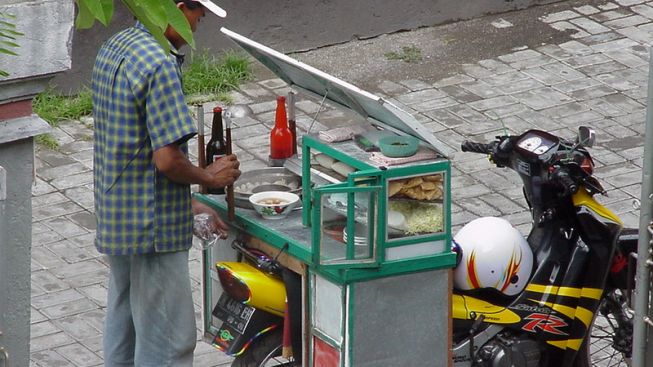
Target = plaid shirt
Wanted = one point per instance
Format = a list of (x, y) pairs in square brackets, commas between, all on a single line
[(138, 107)]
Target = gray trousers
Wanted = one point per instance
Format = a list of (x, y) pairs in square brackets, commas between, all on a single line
[(150, 318)]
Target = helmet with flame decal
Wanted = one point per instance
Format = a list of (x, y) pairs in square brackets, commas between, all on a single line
[(493, 254)]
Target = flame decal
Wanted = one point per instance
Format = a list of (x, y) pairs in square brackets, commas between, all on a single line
[(472, 279), (513, 268)]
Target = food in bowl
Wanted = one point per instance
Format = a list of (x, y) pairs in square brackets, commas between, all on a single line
[(272, 201), (274, 204)]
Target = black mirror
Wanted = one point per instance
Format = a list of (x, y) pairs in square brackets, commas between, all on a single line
[(586, 136)]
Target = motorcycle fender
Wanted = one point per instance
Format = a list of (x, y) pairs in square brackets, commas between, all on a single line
[(469, 308), (267, 292), (241, 325)]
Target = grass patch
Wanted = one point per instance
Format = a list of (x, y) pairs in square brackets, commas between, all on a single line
[(212, 77), (47, 141), (409, 54), (54, 107), (206, 78)]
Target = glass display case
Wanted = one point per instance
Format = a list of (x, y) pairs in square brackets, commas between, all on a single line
[(396, 212)]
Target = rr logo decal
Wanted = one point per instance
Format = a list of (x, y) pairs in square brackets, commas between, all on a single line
[(547, 323)]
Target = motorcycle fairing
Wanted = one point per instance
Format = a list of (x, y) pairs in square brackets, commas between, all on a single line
[(266, 291), (583, 201)]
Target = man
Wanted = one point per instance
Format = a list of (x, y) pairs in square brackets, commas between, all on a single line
[(143, 204)]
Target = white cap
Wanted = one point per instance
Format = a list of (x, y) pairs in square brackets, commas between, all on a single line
[(213, 8)]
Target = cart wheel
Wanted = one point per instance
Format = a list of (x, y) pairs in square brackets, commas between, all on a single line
[(264, 352)]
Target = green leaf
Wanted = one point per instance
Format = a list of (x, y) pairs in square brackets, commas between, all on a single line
[(8, 52), (107, 5), (9, 32), (155, 29), (155, 11), (178, 21), (7, 24), (96, 8), (4, 35), (8, 43), (85, 18)]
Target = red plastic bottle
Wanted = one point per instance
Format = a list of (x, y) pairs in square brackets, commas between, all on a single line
[(281, 136)]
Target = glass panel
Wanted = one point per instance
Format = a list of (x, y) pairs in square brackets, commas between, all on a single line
[(340, 218), (415, 206), (328, 308), (415, 250)]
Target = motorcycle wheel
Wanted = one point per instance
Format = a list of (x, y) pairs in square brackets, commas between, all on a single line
[(264, 352), (610, 335)]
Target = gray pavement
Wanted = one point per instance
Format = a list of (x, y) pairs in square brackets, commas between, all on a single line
[(593, 72)]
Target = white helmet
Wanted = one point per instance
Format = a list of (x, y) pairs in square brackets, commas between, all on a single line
[(493, 254)]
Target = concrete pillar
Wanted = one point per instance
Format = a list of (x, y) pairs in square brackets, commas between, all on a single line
[(45, 50)]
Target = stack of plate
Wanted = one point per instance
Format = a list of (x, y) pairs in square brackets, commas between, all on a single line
[(360, 238)]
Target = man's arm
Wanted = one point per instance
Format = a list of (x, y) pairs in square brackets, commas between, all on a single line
[(172, 162)]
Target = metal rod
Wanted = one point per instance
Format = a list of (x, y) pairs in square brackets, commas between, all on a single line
[(201, 147), (5, 355), (231, 213), (292, 122), (642, 282), (648, 321)]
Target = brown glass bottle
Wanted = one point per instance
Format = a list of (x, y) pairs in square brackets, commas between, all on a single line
[(281, 136), (216, 148)]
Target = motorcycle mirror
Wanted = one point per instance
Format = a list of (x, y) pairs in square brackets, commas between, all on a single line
[(586, 136)]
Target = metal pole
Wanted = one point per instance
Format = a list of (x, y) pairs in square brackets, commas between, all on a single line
[(4, 355), (642, 280)]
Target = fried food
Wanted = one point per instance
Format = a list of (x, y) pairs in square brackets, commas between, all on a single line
[(395, 187), (418, 188)]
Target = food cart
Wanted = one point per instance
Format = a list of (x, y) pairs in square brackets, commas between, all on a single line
[(380, 297)]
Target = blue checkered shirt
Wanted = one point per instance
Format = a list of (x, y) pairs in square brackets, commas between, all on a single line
[(138, 107)]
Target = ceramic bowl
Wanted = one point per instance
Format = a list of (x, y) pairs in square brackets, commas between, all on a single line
[(398, 146), (274, 204)]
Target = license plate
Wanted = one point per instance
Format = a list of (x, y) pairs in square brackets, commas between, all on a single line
[(233, 313)]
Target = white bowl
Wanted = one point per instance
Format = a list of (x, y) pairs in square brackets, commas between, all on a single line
[(274, 204)]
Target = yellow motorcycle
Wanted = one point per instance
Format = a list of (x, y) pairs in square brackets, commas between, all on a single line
[(556, 298)]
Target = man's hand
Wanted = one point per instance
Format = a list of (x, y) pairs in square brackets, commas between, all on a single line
[(216, 224), (223, 172)]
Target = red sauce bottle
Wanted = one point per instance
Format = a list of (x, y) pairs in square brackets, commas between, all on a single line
[(281, 136)]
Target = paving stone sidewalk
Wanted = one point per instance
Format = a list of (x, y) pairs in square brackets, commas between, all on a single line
[(599, 78)]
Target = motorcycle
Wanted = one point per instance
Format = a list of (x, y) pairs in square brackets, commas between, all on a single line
[(572, 308), (559, 297)]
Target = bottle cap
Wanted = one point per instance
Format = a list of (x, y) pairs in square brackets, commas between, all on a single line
[(217, 109)]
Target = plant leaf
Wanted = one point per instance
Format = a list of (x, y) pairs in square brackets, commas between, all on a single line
[(7, 24), (107, 5), (178, 21), (8, 43), (8, 52), (8, 32), (155, 29), (4, 35), (96, 8), (155, 11), (85, 18)]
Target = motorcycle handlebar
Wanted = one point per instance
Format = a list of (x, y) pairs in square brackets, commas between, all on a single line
[(568, 184), (470, 146)]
